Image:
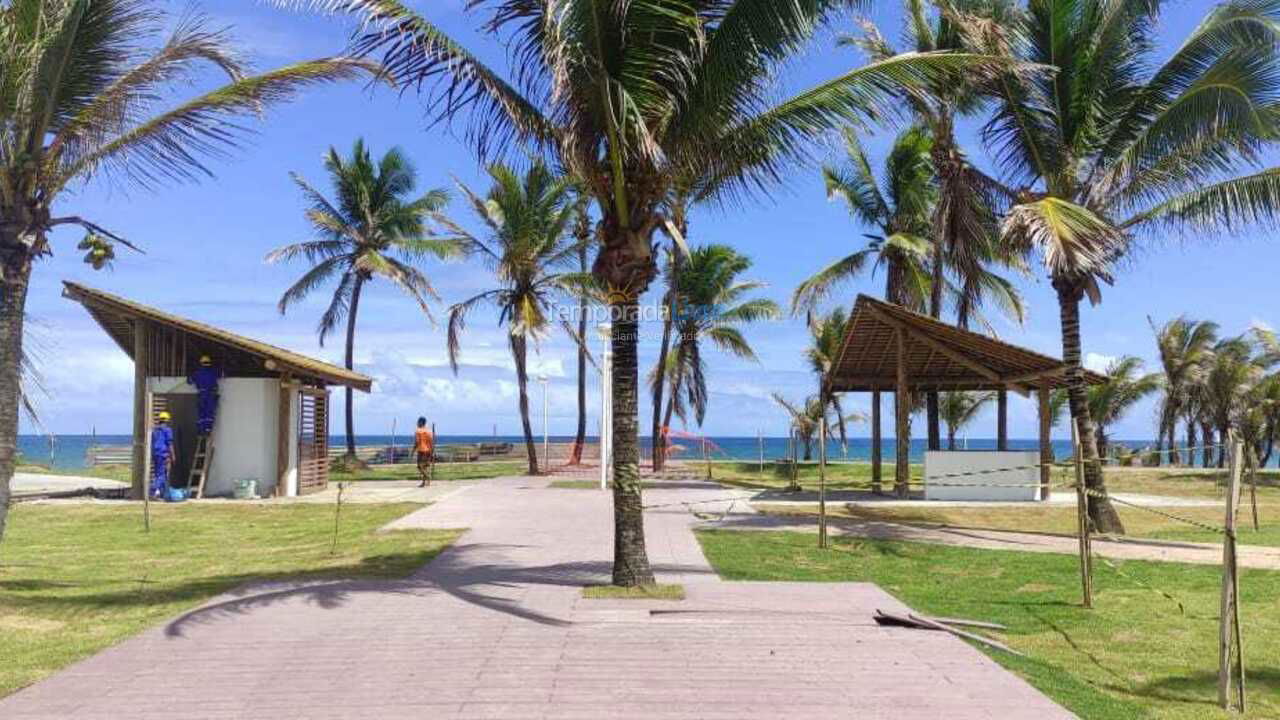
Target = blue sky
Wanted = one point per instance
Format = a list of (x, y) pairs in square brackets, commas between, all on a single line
[(205, 243)]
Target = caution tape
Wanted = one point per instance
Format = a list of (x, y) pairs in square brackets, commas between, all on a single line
[(1203, 526)]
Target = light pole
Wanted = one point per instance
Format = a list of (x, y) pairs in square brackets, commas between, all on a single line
[(606, 401), (546, 458)]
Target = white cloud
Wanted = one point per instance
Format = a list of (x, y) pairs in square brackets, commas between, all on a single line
[(1098, 362)]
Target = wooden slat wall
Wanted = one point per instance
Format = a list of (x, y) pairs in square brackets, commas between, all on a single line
[(313, 440)]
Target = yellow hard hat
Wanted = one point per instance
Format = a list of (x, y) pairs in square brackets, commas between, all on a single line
[(206, 360), (163, 416)]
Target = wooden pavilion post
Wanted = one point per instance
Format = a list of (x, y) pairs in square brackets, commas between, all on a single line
[(284, 422), (902, 407), (1046, 448), (1002, 420), (141, 369), (875, 442)]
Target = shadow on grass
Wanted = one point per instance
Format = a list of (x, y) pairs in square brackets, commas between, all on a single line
[(1201, 687)]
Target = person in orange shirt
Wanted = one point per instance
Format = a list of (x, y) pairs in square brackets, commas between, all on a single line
[(425, 444)]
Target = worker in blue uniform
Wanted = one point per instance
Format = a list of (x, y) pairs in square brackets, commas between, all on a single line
[(206, 378), (161, 456)]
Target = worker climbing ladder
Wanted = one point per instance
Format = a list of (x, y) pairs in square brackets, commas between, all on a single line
[(200, 463)]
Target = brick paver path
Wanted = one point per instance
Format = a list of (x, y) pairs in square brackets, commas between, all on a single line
[(496, 627)]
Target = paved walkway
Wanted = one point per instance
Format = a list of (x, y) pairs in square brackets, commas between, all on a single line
[(1250, 556), (496, 627), (27, 483)]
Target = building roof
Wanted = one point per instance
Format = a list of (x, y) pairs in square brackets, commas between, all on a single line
[(938, 356), (239, 355)]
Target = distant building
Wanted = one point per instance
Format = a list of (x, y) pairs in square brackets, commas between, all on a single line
[(272, 421)]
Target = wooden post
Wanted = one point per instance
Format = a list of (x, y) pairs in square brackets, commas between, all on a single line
[(146, 464), (875, 442), (760, 444), (141, 441), (1046, 447), (822, 481), (1002, 420), (1082, 520), (795, 459), (1230, 646), (284, 413), (1253, 462), (706, 457), (902, 407)]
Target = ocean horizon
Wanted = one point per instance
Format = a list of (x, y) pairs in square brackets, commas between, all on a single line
[(68, 452)]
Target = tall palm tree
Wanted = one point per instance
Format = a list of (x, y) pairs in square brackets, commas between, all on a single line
[(805, 419), (1115, 146), (898, 210), (374, 227), (87, 93), (677, 203), (582, 232), (964, 237), (1113, 399), (632, 97), (1184, 345), (713, 305), (530, 248), (826, 341), (1234, 371), (959, 408)]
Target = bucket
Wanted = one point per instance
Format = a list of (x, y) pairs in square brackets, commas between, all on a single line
[(246, 489)]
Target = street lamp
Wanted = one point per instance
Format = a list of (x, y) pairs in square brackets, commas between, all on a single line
[(606, 401), (546, 458)]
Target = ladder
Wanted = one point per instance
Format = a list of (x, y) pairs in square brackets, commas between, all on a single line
[(200, 463)]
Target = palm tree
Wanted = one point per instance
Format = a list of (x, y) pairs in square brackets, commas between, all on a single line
[(1114, 146), (712, 304), (826, 341), (86, 93), (1184, 345), (373, 228), (805, 419), (964, 233), (898, 210), (678, 209), (582, 232), (959, 408), (631, 97), (528, 219), (1234, 371), (1111, 400)]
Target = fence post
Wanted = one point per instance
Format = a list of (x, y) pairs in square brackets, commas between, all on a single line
[(822, 482), (1230, 643), (760, 444), (1082, 519)]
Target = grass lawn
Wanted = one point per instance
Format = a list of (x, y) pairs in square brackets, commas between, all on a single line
[(1062, 520), (840, 476), (75, 579), (1135, 655), (443, 472), (640, 592)]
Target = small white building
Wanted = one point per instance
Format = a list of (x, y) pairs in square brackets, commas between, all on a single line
[(272, 421)]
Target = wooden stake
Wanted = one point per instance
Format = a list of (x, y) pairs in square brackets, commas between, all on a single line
[(1082, 520), (875, 443), (760, 444), (1230, 645), (1253, 485), (822, 481)]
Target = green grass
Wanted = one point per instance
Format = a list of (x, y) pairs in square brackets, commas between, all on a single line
[(640, 592), (443, 472), (75, 579), (840, 476), (1135, 655)]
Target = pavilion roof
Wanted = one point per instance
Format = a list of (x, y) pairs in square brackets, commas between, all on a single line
[(937, 356), (182, 339)]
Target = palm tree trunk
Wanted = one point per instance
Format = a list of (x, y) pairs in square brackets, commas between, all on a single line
[(350, 364), (951, 437), (630, 559), (659, 439), (581, 438), (1160, 436), (933, 418), (808, 448), (519, 348), (666, 421), (16, 271), (1222, 451), (1191, 442), (1206, 439), (1101, 512)]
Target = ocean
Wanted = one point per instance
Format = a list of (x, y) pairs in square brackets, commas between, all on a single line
[(67, 452)]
